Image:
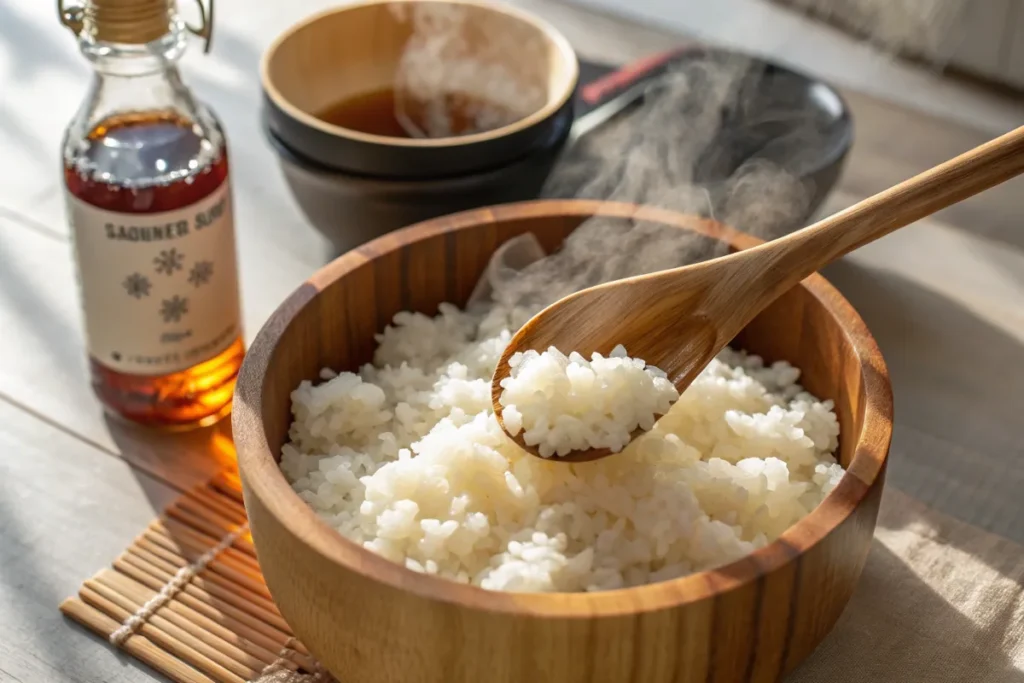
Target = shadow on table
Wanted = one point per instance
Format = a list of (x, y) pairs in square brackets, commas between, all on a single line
[(999, 221), (28, 53), (33, 309), (204, 518), (894, 143), (37, 574), (181, 459), (941, 358)]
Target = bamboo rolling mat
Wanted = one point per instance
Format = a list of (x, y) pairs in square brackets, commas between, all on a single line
[(940, 601), (187, 598)]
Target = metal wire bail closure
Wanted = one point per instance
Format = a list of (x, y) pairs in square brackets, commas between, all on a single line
[(205, 31), (72, 17)]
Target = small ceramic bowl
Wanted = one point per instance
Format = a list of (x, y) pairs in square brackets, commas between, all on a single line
[(356, 49), (350, 209), (370, 620)]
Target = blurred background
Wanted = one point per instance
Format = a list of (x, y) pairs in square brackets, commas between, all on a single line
[(965, 63)]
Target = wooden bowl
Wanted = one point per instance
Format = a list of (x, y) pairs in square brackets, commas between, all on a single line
[(357, 48), (370, 620)]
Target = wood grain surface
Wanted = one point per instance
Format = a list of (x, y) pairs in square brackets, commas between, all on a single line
[(701, 627), (65, 508), (953, 280)]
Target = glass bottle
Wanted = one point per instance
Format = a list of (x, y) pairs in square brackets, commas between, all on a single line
[(149, 202)]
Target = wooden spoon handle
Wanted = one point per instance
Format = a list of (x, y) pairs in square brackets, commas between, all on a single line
[(794, 257)]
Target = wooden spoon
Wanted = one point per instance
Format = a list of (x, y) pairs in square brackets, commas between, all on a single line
[(679, 319)]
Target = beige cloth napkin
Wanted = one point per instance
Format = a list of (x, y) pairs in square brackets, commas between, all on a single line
[(940, 601)]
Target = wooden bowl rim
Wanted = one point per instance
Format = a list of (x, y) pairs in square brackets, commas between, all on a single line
[(263, 478), (551, 106)]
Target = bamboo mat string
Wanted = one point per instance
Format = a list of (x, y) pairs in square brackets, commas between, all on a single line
[(183, 577), (285, 676), (278, 671), (187, 597), (219, 628)]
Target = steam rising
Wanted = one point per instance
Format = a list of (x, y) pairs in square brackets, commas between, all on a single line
[(707, 141), (464, 62), (720, 136), (704, 143)]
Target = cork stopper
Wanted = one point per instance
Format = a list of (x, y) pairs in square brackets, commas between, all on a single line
[(132, 22), (129, 21)]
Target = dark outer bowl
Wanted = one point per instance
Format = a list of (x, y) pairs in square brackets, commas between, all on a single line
[(412, 163), (350, 209), (790, 120)]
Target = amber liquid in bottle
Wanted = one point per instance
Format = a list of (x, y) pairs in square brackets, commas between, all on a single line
[(150, 163)]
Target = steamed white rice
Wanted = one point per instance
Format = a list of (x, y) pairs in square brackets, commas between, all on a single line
[(565, 403), (406, 458)]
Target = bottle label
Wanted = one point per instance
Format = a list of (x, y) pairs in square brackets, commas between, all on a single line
[(160, 290)]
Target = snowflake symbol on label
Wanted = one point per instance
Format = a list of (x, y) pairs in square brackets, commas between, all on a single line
[(137, 285), (201, 273), (174, 309), (168, 261)]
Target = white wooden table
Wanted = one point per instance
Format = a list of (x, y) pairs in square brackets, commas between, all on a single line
[(944, 298)]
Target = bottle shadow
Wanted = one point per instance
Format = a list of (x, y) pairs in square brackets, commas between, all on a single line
[(182, 460)]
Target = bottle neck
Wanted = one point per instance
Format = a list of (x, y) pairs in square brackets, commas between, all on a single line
[(137, 86), (130, 61), (138, 77)]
